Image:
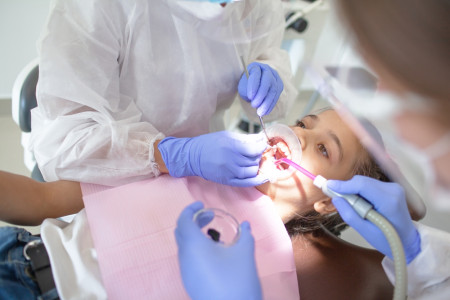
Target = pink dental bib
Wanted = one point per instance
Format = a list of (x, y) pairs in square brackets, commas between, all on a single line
[(133, 231)]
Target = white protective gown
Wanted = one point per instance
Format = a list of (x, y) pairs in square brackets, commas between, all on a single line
[(429, 273), (116, 75)]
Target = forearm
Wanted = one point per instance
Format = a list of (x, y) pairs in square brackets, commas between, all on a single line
[(24, 201), (107, 152), (158, 159)]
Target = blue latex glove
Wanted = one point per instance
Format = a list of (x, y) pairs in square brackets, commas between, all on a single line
[(262, 88), (223, 157), (389, 200), (212, 271)]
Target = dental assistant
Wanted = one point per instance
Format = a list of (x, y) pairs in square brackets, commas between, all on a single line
[(129, 89), (407, 43)]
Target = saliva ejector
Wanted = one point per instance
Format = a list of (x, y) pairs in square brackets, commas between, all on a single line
[(365, 210)]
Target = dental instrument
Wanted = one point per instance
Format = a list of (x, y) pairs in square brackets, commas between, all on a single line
[(365, 210), (260, 118)]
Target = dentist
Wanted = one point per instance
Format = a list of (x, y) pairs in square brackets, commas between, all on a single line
[(131, 89)]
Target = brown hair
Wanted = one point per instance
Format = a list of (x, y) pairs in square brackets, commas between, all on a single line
[(410, 39)]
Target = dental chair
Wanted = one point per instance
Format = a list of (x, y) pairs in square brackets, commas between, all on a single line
[(23, 101)]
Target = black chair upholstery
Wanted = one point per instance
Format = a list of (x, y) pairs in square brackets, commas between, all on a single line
[(27, 99), (24, 100)]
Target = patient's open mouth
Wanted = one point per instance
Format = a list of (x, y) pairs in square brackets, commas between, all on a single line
[(279, 149), (283, 144)]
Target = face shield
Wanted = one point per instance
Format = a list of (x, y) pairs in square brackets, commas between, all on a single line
[(354, 92)]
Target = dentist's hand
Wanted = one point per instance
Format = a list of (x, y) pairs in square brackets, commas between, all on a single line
[(262, 88), (211, 271), (223, 157), (389, 200)]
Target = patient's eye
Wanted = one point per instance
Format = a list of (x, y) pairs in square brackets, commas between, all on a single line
[(323, 150), (300, 124)]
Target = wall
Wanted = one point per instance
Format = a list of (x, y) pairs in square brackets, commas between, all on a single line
[(20, 24)]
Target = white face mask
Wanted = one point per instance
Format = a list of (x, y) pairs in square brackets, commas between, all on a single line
[(437, 195), (202, 10)]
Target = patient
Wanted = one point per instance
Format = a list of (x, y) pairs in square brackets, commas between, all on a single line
[(327, 267)]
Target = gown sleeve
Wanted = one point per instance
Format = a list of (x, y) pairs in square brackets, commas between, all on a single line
[(429, 273), (84, 128)]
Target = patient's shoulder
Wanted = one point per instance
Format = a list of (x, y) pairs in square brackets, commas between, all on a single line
[(330, 268)]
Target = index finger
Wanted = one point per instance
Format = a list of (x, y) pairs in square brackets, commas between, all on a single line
[(250, 145)]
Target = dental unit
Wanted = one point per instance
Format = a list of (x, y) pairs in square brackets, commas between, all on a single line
[(365, 210)]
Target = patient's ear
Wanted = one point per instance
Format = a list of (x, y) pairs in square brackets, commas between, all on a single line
[(324, 206)]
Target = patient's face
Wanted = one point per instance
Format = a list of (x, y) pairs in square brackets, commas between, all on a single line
[(329, 148)]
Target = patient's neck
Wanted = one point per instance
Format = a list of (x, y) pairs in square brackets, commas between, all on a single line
[(287, 204)]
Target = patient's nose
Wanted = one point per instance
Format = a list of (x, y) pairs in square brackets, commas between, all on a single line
[(302, 138)]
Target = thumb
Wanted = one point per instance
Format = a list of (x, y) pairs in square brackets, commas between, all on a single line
[(242, 87), (186, 227), (342, 187), (246, 241)]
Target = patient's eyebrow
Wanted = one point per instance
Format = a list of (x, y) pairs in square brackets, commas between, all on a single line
[(335, 138), (314, 117)]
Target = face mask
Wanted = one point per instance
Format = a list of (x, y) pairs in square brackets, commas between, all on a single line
[(438, 195), (400, 149), (202, 10)]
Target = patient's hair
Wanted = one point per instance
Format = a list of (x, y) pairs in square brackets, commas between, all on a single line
[(316, 223)]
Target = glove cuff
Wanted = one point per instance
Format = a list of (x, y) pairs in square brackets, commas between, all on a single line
[(175, 154), (414, 249)]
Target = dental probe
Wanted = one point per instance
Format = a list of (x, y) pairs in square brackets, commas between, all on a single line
[(260, 118), (365, 210)]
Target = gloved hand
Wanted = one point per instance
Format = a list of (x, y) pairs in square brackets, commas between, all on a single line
[(211, 271), (223, 157), (262, 88), (389, 200)]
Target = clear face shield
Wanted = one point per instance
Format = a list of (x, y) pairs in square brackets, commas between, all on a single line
[(354, 93)]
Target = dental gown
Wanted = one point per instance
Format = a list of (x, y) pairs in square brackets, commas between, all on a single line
[(117, 75), (429, 273)]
